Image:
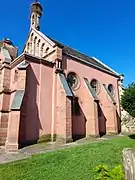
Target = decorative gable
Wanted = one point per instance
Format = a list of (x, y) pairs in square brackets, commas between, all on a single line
[(38, 44)]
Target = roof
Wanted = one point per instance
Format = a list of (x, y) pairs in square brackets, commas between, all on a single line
[(78, 56), (23, 65), (92, 92), (70, 51), (9, 46), (6, 55), (17, 101), (65, 85)]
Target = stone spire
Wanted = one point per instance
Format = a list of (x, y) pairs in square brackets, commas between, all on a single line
[(36, 13)]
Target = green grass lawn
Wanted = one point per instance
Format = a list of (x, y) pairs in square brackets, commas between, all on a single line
[(75, 163)]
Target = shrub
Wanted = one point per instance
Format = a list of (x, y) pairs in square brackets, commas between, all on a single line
[(104, 173)]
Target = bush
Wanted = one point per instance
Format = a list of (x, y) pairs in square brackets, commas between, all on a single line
[(128, 99), (104, 173)]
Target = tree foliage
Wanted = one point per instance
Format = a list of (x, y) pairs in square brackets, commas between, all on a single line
[(128, 99)]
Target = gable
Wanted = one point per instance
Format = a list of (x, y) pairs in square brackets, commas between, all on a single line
[(38, 44)]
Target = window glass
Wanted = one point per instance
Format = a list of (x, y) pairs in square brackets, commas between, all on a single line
[(72, 80), (95, 85), (111, 89)]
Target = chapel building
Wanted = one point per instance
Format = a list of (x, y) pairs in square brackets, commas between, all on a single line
[(53, 91)]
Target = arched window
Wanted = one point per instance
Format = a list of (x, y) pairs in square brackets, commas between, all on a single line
[(111, 89), (38, 43), (73, 80), (35, 39), (38, 47), (33, 19), (58, 64), (41, 51), (47, 49), (95, 85)]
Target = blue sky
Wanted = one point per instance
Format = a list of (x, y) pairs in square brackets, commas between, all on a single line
[(104, 29)]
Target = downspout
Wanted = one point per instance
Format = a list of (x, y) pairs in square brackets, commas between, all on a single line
[(40, 88), (53, 104)]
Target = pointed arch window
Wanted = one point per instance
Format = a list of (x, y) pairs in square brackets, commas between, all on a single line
[(41, 51), (34, 49), (47, 49), (38, 47), (32, 37), (33, 17)]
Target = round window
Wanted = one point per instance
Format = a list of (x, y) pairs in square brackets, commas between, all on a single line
[(111, 89), (95, 85), (73, 80)]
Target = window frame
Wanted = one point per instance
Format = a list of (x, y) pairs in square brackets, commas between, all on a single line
[(97, 90), (77, 85), (113, 90)]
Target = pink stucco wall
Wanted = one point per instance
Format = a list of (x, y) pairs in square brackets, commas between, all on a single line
[(41, 100), (46, 99), (103, 78), (38, 103)]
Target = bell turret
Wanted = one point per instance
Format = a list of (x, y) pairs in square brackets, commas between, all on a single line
[(36, 13)]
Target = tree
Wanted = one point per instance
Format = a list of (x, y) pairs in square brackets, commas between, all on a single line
[(128, 99)]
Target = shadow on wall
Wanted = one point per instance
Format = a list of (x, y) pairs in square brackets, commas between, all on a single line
[(118, 121), (78, 123), (101, 121), (30, 124)]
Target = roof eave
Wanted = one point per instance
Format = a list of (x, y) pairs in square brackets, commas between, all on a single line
[(90, 64), (105, 66)]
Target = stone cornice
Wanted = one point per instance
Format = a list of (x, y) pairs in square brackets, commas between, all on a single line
[(50, 53), (30, 58), (5, 111), (75, 58), (5, 65)]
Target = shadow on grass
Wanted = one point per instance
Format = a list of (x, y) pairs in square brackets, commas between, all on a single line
[(132, 136)]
